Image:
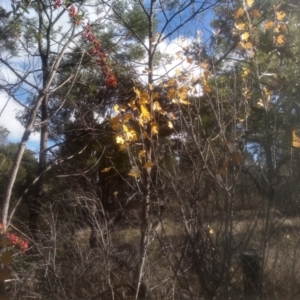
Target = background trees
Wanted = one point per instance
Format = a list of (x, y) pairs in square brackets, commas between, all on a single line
[(158, 181)]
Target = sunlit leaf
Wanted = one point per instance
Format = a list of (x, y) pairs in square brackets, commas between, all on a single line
[(6, 258), (150, 87), (5, 274), (237, 157), (240, 26), (131, 135), (280, 40), (134, 172), (204, 65), (157, 107), (170, 125), (119, 139), (137, 92), (149, 164), (280, 15), (172, 116), (296, 138), (177, 72), (269, 24), (245, 36), (281, 28), (154, 128), (106, 170), (248, 45), (182, 92), (171, 93), (116, 108), (238, 13), (125, 128), (132, 104), (142, 153), (249, 2), (255, 13), (171, 82)]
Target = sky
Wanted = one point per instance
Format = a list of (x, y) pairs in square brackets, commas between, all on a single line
[(196, 30)]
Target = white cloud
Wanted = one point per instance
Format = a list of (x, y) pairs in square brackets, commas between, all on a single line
[(8, 120)]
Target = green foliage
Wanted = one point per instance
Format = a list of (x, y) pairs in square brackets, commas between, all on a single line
[(27, 172)]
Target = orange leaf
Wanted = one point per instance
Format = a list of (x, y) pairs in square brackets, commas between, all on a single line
[(149, 164), (255, 13), (280, 15), (238, 13), (269, 24), (296, 139), (280, 40)]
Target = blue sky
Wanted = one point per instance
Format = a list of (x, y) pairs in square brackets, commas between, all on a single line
[(199, 24)]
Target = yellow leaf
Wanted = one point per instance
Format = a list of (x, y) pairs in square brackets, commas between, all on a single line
[(5, 274), (177, 72), (185, 102), (116, 193), (134, 172), (137, 92), (170, 125), (154, 128), (131, 135), (237, 157), (280, 40), (6, 258), (146, 112), (204, 65), (182, 92), (255, 13), (157, 107), (144, 97), (149, 164), (132, 104), (269, 24), (238, 13), (249, 2), (280, 15), (119, 139), (106, 170), (240, 26), (171, 82), (150, 87), (142, 153), (125, 128), (245, 36), (296, 139), (116, 108)]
